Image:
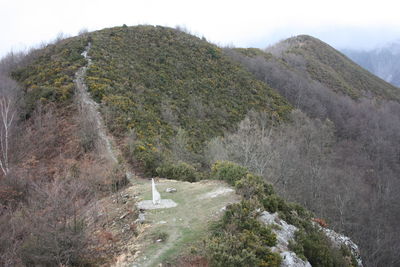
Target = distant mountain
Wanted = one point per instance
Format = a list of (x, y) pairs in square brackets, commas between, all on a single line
[(363, 111), (383, 62), (330, 67)]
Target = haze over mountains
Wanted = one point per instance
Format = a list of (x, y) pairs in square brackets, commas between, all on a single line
[(384, 62), (299, 119)]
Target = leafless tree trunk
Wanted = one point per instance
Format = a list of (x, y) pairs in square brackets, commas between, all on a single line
[(8, 110)]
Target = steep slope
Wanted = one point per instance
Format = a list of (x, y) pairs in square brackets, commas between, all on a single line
[(349, 146), (48, 73), (383, 62), (163, 94), (331, 68), (162, 83), (57, 171)]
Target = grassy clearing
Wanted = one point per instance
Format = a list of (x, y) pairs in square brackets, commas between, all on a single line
[(183, 225)]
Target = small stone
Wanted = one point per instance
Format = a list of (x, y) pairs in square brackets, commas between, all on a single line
[(170, 190), (140, 218)]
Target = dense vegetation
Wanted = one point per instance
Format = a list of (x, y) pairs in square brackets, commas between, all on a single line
[(155, 83), (47, 74), (337, 159), (51, 176), (162, 88), (240, 239), (331, 68), (169, 97)]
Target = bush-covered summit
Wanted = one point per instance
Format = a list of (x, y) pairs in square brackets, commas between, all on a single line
[(154, 79), (331, 68), (162, 82)]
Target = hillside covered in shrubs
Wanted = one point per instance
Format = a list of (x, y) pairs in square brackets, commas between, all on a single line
[(337, 155), (298, 123), (171, 91), (331, 68)]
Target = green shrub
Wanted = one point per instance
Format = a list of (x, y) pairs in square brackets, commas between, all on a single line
[(228, 171), (243, 249), (157, 80), (314, 246), (239, 239), (250, 186), (178, 171), (273, 203), (148, 155), (47, 74)]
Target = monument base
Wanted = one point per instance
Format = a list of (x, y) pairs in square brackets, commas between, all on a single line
[(164, 204)]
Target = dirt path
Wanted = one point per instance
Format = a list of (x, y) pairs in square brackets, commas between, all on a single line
[(198, 203), (91, 109)]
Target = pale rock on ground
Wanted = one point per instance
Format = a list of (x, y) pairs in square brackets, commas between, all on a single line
[(284, 233), (170, 190), (338, 240)]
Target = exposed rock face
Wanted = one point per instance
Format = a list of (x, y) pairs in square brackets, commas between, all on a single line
[(284, 233), (290, 259), (339, 240)]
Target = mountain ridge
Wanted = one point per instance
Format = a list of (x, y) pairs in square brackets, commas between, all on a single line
[(358, 119), (174, 103), (332, 68), (383, 61)]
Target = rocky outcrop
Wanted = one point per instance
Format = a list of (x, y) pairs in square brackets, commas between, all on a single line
[(285, 233), (340, 240)]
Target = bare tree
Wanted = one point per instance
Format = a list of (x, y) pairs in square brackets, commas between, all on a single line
[(8, 109), (56, 233), (355, 185)]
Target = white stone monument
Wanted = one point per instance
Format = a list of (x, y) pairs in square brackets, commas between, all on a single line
[(156, 202), (156, 195)]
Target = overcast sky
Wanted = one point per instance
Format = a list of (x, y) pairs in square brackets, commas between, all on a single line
[(342, 23)]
